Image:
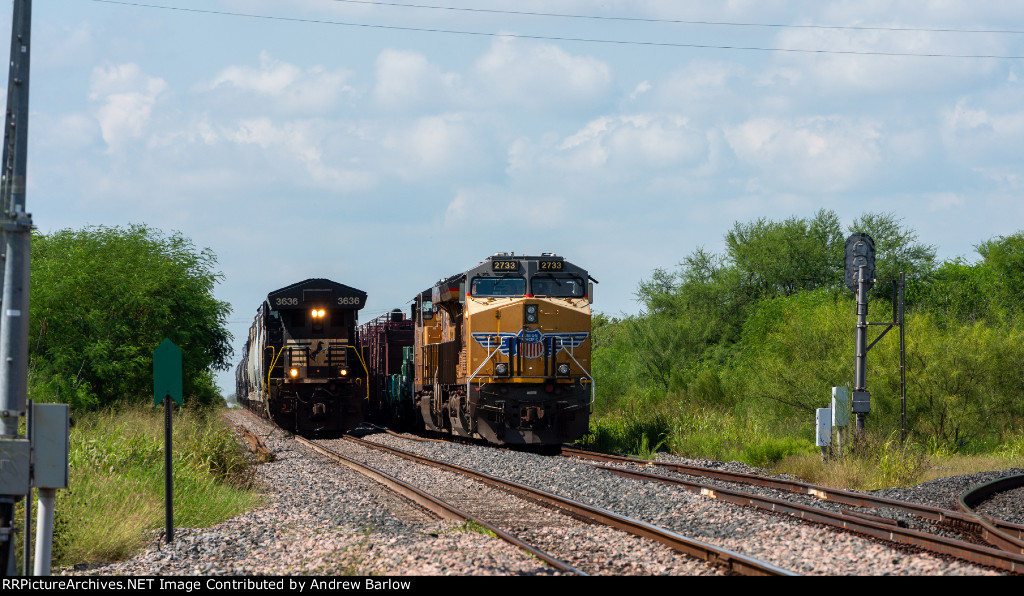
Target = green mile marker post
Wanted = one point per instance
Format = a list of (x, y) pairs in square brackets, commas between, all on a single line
[(167, 380)]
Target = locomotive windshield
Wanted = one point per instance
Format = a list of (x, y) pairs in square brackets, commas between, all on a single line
[(558, 287), (498, 286)]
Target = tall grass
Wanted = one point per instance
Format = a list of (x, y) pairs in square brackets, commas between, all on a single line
[(116, 493), (876, 460), (692, 431)]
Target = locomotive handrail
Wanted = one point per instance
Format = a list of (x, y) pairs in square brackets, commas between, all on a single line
[(488, 359), (366, 370), (569, 352), (270, 369)]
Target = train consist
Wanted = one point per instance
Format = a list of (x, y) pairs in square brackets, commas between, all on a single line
[(500, 352), (301, 365)]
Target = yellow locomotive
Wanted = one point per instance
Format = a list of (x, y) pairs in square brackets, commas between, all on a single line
[(501, 352)]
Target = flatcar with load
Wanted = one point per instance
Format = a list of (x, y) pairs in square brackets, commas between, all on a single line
[(301, 367)]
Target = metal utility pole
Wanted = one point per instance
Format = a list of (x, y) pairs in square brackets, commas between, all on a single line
[(16, 225), (903, 357), (861, 397)]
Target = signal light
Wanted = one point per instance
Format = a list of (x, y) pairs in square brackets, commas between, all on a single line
[(860, 251), (530, 315)]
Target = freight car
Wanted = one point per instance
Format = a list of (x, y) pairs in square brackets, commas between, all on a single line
[(301, 367), (500, 352), (386, 343)]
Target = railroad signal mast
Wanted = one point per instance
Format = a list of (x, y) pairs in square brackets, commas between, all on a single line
[(860, 277)]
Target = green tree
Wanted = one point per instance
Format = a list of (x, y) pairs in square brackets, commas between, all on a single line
[(1004, 257), (102, 300), (780, 258)]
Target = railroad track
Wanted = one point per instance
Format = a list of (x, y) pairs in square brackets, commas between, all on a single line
[(526, 511), (438, 507), (1005, 553), (1003, 535)]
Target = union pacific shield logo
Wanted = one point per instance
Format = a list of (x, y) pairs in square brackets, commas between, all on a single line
[(530, 343)]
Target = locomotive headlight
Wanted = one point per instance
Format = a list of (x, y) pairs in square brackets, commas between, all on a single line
[(531, 313), (294, 372), (501, 368), (563, 369), (343, 372), (320, 313)]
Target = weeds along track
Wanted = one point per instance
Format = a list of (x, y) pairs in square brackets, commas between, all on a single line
[(935, 529), (573, 536)]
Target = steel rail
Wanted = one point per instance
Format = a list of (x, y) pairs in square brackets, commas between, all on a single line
[(434, 505), (710, 553), (861, 523), (994, 532), (844, 497)]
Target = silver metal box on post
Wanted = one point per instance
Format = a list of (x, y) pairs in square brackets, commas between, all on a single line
[(14, 466), (50, 449), (840, 406), (823, 420)]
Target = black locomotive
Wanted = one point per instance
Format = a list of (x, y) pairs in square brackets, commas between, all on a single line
[(301, 366)]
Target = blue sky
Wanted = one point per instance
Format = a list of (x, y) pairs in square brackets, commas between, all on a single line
[(321, 138)]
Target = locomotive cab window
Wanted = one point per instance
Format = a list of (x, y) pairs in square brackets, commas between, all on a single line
[(339, 318), (558, 286), (487, 287)]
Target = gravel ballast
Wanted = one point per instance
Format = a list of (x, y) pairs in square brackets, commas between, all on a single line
[(321, 519)]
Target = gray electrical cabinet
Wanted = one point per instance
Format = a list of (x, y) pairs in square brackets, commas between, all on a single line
[(50, 445), (14, 466)]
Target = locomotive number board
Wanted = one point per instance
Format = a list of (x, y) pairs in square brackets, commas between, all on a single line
[(549, 265), (504, 265)]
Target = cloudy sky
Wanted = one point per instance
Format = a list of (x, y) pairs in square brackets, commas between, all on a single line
[(385, 145)]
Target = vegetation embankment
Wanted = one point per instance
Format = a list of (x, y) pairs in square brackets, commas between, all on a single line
[(102, 300), (115, 503), (732, 354)]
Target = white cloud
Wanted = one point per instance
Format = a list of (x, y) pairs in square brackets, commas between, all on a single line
[(280, 148), (409, 80), (808, 154), (987, 137), (125, 98), (313, 89), (877, 60), (640, 89), (434, 146), (633, 146), (489, 205), (535, 75)]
